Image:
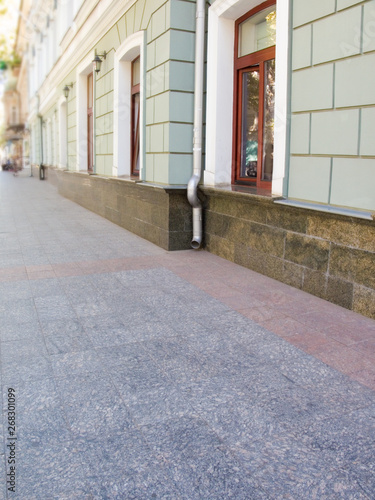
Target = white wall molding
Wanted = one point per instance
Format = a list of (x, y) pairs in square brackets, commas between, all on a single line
[(90, 25), (84, 69), (220, 76), (62, 127), (131, 48)]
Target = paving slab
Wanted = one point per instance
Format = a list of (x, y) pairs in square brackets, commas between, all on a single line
[(140, 373)]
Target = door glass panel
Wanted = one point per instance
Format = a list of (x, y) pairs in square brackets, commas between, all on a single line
[(249, 125), (90, 149), (258, 32), (135, 148), (136, 66), (268, 123)]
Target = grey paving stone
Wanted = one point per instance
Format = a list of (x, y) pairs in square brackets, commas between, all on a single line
[(105, 331), (57, 256), (92, 405), (149, 394), (239, 423), (116, 330), (17, 351), (18, 313), (14, 331), (67, 343), (15, 290), (77, 283), (77, 363), (167, 349), (199, 464), (68, 327), (158, 405), (124, 466), (27, 369), (35, 259), (336, 483), (92, 308), (229, 360), (140, 278), (137, 375), (51, 302), (363, 473), (211, 394), (286, 468), (81, 293), (46, 287), (133, 314), (14, 260), (107, 282), (159, 299), (347, 441), (52, 471), (39, 415), (128, 355), (54, 308)]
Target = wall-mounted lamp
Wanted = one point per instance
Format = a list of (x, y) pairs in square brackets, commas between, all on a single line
[(66, 90), (97, 61)]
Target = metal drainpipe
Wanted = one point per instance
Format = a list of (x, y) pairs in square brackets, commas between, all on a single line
[(192, 188)]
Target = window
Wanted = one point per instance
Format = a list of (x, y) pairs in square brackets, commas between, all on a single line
[(135, 105), (128, 113), (90, 129), (14, 115), (254, 96)]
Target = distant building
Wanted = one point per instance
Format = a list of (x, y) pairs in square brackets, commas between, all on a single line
[(16, 96), (288, 177), (14, 127)]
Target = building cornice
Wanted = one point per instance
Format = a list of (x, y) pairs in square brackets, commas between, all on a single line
[(76, 45)]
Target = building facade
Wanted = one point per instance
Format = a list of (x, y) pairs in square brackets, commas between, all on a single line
[(15, 97), (288, 174)]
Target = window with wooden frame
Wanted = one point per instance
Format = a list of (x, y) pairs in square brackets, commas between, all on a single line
[(254, 96), (135, 107), (90, 124)]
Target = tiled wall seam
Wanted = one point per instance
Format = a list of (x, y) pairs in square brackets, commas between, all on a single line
[(359, 17)]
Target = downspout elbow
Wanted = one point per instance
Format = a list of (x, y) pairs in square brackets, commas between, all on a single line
[(192, 191), (192, 194)]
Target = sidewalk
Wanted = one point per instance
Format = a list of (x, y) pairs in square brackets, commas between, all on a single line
[(145, 374)]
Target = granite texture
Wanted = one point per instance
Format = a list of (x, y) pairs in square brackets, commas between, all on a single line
[(160, 215), (330, 256)]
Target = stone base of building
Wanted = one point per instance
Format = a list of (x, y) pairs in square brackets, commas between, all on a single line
[(330, 256), (327, 255), (161, 215)]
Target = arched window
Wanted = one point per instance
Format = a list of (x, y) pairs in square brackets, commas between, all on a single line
[(128, 125)]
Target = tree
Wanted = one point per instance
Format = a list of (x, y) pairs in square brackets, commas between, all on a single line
[(8, 57)]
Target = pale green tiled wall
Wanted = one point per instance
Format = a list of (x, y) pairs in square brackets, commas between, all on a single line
[(104, 101), (308, 174), (169, 93), (169, 105), (358, 191), (36, 142), (333, 103)]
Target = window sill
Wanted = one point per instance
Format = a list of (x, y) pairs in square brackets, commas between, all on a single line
[(241, 190), (348, 212)]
